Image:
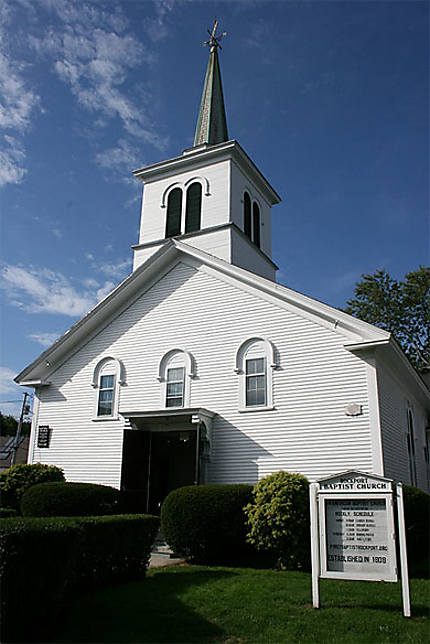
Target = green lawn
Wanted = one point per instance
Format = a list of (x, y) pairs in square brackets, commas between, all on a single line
[(238, 605)]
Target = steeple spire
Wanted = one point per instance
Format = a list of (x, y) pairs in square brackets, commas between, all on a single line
[(212, 123)]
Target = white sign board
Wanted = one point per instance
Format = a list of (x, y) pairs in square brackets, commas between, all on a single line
[(353, 533)]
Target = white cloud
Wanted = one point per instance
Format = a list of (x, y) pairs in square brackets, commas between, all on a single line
[(17, 100), (104, 290), (44, 291), (156, 28), (119, 270), (11, 157), (94, 61), (45, 339), (7, 384), (123, 157), (17, 104)]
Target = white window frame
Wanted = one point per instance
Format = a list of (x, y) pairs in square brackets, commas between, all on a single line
[(180, 381), (108, 366), (173, 359), (265, 350)]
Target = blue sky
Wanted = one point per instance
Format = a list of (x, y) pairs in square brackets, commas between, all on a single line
[(330, 100)]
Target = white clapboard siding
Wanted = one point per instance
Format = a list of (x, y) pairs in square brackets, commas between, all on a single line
[(394, 400), (316, 378)]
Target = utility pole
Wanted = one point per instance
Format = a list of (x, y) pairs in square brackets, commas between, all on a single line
[(24, 410)]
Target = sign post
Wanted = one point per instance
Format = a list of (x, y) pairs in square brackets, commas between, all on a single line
[(353, 531)]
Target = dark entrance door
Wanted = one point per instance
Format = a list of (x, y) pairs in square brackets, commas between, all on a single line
[(154, 464)]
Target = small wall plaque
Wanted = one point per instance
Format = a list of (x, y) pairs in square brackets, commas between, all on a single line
[(354, 409), (43, 436)]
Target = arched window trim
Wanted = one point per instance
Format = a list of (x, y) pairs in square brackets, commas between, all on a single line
[(118, 371), (183, 186), (179, 184), (268, 351), (189, 373), (204, 183), (168, 190)]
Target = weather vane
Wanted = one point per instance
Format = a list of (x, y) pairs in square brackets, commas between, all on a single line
[(214, 40)]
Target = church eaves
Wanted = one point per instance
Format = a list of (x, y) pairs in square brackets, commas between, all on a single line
[(212, 123)]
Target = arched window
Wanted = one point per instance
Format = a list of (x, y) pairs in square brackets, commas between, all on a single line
[(255, 361), (175, 372), (256, 224), (174, 211), (193, 207), (108, 375), (247, 215)]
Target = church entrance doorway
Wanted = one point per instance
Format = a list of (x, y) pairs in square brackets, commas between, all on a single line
[(154, 464)]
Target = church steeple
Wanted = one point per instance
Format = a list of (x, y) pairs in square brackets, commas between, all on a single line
[(212, 123)]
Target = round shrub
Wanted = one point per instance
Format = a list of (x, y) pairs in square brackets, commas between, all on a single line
[(206, 523), (278, 519), (417, 521), (69, 500), (18, 478)]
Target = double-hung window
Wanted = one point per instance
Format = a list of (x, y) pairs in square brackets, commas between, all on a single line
[(255, 363), (256, 382), (106, 395), (175, 387)]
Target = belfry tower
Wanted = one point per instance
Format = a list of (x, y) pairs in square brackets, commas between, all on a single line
[(211, 197)]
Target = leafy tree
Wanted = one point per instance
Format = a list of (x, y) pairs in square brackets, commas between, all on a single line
[(399, 306), (9, 424)]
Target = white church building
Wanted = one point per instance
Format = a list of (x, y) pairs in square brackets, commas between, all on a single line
[(200, 368)]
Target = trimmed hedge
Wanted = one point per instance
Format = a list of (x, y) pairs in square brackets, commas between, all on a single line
[(278, 519), (69, 500), (18, 478), (206, 523), (417, 520), (36, 559), (42, 559), (8, 512)]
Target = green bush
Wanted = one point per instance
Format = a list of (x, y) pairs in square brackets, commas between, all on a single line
[(69, 499), (206, 523), (115, 548), (417, 521), (278, 519), (36, 560), (8, 512), (43, 559), (18, 478)]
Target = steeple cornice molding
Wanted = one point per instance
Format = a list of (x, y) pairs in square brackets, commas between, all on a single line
[(195, 158)]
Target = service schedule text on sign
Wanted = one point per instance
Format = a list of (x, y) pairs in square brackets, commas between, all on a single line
[(358, 539)]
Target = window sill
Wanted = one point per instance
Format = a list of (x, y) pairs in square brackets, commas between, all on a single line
[(99, 419), (246, 410)]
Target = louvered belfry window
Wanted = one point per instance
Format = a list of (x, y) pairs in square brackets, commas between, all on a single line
[(174, 211), (247, 215), (256, 224), (193, 208)]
